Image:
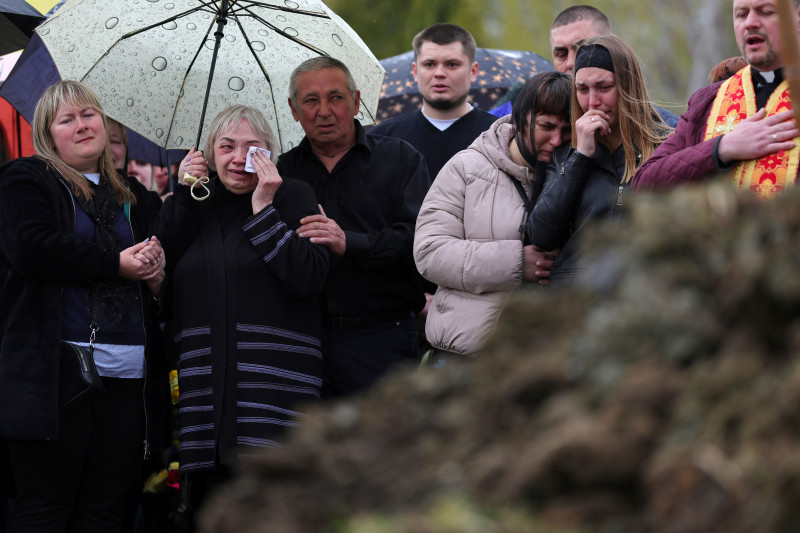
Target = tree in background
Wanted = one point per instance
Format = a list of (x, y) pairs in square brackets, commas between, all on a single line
[(678, 41)]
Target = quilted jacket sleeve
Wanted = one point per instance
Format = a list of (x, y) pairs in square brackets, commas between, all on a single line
[(442, 252)]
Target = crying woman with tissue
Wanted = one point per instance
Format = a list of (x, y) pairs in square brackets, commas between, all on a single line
[(243, 293)]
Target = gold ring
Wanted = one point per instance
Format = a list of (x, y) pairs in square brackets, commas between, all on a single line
[(592, 119)]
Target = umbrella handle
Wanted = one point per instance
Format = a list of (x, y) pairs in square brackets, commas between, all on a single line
[(193, 182)]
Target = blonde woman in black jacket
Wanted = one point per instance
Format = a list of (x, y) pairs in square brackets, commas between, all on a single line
[(76, 256)]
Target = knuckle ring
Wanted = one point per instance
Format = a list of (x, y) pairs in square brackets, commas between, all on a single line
[(774, 138), (592, 119)]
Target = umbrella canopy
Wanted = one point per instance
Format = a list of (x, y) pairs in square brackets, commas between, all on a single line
[(18, 19), (34, 71), (498, 71), (150, 62)]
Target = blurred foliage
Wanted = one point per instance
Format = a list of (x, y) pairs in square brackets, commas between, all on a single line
[(678, 41)]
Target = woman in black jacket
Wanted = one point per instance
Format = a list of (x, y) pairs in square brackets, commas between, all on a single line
[(77, 259), (244, 297), (615, 128)]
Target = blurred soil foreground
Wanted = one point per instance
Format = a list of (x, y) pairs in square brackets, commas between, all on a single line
[(661, 394)]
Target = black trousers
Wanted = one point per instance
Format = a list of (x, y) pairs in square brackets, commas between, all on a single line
[(77, 483), (356, 357)]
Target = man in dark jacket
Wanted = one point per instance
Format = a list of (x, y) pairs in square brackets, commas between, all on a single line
[(444, 68), (743, 125), (370, 189)]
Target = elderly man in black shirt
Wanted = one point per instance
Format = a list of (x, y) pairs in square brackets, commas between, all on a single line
[(370, 189)]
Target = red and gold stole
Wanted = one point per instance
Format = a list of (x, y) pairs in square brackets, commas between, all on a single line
[(735, 101)]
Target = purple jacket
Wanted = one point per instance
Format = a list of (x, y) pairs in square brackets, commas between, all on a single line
[(684, 156)]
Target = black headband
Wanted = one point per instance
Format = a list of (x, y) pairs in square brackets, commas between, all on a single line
[(594, 55)]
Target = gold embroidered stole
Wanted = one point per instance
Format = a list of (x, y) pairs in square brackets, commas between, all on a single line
[(735, 101)]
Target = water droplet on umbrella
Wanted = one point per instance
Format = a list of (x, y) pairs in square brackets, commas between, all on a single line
[(110, 23), (191, 26), (71, 48), (209, 44), (236, 84), (159, 63), (129, 101), (171, 25), (258, 46), (280, 18), (290, 4), (44, 31), (337, 39), (179, 140), (291, 31), (230, 38), (360, 116), (263, 33), (169, 6)]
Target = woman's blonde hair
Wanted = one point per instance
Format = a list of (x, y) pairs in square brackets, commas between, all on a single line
[(230, 117), (641, 127), (69, 92)]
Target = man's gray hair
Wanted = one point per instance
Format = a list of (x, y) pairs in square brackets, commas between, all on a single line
[(320, 63)]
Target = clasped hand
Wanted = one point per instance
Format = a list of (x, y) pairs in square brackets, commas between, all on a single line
[(144, 261), (320, 229), (537, 264)]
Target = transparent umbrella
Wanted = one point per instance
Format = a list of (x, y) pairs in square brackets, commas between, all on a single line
[(165, 68)]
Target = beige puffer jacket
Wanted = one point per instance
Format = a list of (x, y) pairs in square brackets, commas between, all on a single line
[(468, 241)]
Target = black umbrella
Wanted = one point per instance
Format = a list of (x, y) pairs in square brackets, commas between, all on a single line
[(18, 19), (498, 71)]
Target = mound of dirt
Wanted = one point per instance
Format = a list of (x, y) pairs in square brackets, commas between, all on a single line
[(660, 393)]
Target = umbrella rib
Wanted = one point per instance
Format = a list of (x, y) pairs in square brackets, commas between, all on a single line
[(186, 76), (266, 76), (241, 6), (164, 21), (286, 35)]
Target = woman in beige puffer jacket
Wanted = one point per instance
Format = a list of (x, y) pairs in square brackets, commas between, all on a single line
[(470, 229)]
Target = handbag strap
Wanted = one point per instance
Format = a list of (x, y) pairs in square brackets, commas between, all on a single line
[(528, 202)]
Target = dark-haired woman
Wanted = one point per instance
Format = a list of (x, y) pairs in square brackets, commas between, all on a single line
[(469, 236)]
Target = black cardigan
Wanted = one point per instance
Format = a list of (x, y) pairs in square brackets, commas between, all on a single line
[(244, 295)]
